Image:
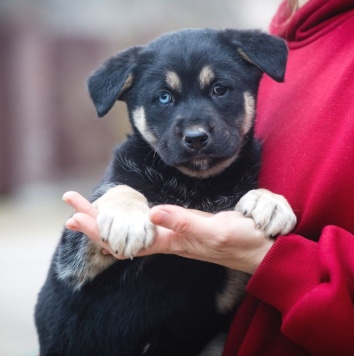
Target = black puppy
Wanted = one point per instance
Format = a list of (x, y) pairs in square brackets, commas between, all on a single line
[(191, 98)]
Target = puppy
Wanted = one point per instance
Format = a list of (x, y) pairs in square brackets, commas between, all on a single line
[(191, 97)]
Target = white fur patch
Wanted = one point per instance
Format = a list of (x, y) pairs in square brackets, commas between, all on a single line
[(250, 109), (139, 119), (123, 220), (173, 81), (86, 265), (206, 76), (271, 212)]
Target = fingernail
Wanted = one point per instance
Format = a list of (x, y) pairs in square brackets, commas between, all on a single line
[(66, 196)]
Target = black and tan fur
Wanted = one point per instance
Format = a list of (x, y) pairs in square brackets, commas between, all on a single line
[(191, 97)]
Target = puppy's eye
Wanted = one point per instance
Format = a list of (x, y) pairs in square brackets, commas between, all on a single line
[(164, 98), (219, 90)]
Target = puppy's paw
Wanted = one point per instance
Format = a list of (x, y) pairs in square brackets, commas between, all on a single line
[(124, 222), (127, 231), (271, 212)]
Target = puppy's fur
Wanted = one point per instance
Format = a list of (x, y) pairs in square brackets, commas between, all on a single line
[(191, 98)]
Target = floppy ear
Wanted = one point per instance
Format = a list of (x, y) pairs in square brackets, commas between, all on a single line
[(267, 52), (112, 79)]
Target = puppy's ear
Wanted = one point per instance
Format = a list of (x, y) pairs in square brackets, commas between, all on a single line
[(267, 52), (112, 79)]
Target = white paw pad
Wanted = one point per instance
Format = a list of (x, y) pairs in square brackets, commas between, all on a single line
[(271, 212)]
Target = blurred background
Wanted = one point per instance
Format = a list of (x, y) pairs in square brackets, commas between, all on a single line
[(50, 138)]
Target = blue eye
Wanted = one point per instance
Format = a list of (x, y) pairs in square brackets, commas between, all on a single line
[(164, 98)]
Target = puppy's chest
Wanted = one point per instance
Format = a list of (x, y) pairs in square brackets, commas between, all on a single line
[(200, 196), (164, 185), (160, 187)]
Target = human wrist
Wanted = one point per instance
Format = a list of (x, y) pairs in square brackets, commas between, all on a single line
[(259, 255)]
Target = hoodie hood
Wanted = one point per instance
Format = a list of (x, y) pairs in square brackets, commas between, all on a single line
[(311, 21)]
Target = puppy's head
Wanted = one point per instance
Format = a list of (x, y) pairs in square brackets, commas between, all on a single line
[(192, 94)]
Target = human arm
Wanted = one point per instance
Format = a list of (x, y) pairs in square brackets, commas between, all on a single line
[(312, 285)]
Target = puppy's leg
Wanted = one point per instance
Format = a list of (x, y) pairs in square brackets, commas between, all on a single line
[(271, 212), (123, 220), (79, 260), (215, 346)]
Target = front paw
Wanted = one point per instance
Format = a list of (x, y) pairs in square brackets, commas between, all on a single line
[(126, 230), (271, 212), (123, 220)]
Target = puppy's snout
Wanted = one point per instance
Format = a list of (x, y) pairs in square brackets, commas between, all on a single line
[(195, 139)]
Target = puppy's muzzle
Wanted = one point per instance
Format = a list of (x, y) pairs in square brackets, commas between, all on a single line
[(196, 139)]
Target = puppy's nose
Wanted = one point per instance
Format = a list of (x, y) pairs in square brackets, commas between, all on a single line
[(196, 139)]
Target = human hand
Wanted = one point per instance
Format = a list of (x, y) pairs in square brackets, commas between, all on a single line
[(84, 219), (226, 238)]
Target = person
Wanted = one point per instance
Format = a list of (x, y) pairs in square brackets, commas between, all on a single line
[(300, 296)]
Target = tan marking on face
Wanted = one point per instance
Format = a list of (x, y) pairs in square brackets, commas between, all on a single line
[(139, 119), (206, 76), (173, 81), (250, 109)]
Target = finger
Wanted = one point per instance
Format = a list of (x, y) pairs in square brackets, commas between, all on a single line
[(179, 219), (79, 203), (165, 242), (86, 224), (200, 212)]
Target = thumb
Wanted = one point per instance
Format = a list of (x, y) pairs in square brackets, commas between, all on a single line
[(178, 219)]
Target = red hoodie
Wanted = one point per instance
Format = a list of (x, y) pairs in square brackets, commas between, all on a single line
[(300, 300)]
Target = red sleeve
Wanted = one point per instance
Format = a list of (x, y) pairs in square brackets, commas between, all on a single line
[(312, 285)]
